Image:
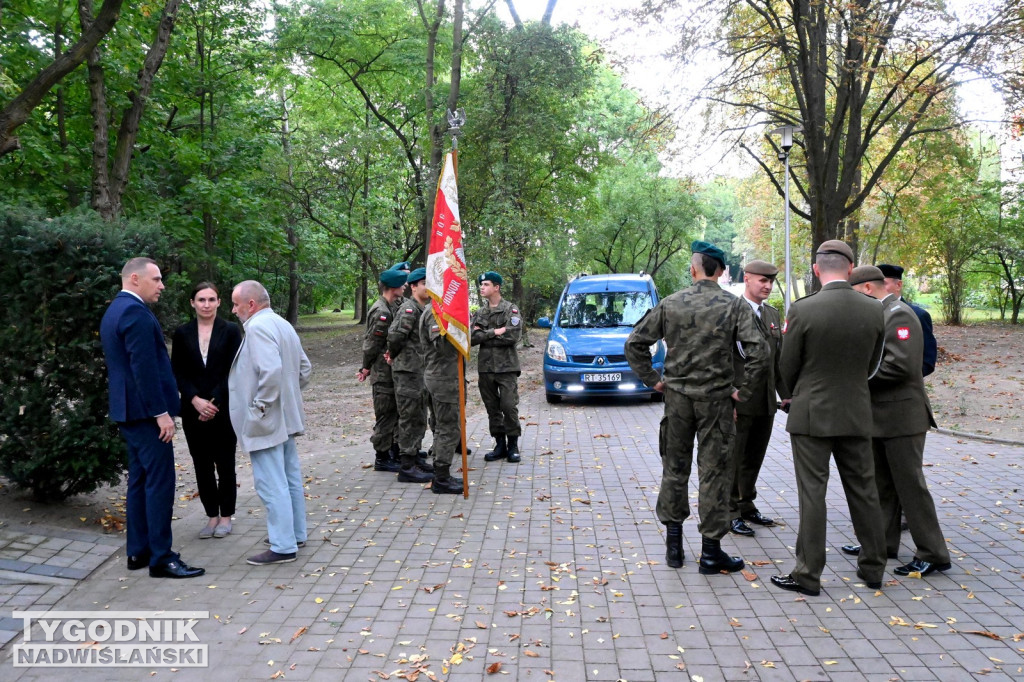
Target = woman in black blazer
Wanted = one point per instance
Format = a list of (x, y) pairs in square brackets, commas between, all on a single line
[(201, 355)]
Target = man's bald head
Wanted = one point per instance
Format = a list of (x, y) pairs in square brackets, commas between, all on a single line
[(248, 298)]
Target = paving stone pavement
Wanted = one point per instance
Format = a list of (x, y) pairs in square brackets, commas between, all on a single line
[(554, 569)]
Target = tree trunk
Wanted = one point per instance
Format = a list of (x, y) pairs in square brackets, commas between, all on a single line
[(18, 110)]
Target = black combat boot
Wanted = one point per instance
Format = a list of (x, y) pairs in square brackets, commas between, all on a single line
[(422, 463), (714, 560), (500, 450), (443, 483), (383, 462), (395, 454), (674, 545), (513, 449), (410, 472)]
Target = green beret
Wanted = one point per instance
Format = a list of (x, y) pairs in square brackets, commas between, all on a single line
[(836, 246), (893, 271), (709, 250), (490, 276), (392, 278), (417, 275), (866, 273), (760, 267), (403, 265)]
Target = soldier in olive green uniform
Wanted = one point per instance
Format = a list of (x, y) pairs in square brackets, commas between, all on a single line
[(407, 371), (497, 327), (902, 416), (755, 417), (441, 376), (833, 344), (376, 367), (701, 326)]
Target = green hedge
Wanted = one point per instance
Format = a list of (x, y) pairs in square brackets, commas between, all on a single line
[(56, 278)]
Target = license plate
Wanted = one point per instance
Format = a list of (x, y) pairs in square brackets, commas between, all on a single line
[(592, 378)]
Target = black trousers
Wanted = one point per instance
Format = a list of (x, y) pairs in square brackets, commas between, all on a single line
[(212, 446)]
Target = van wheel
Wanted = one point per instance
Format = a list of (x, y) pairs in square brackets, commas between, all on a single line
[(552, 398), (657, 397)]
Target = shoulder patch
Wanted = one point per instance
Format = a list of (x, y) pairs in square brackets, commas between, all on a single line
[(514, 321), (515, 310), (785, 326), (408, 310), (383, 318), (903, 333)]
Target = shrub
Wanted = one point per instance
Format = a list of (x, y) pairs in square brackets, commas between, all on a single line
[(56, 278)]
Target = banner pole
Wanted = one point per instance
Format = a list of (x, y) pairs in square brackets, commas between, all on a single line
[(462, 426)]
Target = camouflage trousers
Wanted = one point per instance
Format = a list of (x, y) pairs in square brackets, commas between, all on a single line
[(385, 410), (446, 432), (499, 392), (712, 423), (410, 399)]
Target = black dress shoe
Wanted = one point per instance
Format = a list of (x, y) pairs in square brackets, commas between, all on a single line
[(786, 582), (175, 569), (873, 584), (854, 550), (740, 528), (137, 562), (756, 517), (922, 567)]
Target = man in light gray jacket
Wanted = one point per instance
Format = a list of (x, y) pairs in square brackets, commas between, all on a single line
[(265, 401)]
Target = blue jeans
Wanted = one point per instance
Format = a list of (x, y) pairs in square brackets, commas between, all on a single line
[(275, 472)]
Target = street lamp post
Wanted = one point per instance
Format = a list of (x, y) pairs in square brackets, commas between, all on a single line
[(786, 132)]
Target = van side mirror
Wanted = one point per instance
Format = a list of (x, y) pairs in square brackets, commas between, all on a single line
[(544, 322)]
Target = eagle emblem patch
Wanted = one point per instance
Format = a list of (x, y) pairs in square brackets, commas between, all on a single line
[(903, 333)]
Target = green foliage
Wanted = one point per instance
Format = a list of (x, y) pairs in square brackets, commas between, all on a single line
[(56, 279)]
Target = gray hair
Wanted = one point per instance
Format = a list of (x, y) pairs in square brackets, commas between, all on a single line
[(251, 289)]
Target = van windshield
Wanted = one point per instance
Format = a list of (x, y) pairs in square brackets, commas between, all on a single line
[(604, 309)]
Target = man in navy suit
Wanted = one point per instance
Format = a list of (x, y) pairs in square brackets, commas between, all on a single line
[(894, 285), (143, 402)]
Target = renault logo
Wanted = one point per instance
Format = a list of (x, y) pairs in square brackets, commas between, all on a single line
[(600, 361)]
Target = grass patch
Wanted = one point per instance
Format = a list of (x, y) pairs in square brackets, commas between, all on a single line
[(326, 318)]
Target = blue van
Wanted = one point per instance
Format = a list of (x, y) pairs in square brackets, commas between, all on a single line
[(585, 353)]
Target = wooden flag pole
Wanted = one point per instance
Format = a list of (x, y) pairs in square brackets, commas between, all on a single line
[(462, 359)]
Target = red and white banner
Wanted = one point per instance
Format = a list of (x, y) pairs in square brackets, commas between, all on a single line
[(447, 277)]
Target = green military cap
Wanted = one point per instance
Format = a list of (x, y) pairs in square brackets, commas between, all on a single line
[(402, 265), (837, 246), (708, 250), (490, 276), (893, 271), (760, 267), (866, 273), (417, 275), (392, 278)]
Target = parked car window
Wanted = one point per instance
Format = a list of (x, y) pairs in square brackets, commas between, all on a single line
[(604, 309)]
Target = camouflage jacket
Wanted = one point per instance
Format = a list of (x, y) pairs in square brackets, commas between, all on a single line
[(404, 338), (701, 326), (497, 353), (440, 359), (375, 341)]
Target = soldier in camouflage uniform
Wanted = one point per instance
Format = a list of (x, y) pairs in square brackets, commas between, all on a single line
[(701, 326), (376, 367), (441, 376), (497, 327), (407, 371)]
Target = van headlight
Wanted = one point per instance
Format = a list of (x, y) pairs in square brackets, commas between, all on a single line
[(556, 351)]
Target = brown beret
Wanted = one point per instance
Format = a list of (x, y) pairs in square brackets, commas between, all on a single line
[(760, 267), (866, 273), (836, 246)]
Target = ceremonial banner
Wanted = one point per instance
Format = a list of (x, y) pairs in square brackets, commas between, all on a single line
[(447, 278)]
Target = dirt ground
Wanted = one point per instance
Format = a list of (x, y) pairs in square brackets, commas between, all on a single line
[(978, 387)]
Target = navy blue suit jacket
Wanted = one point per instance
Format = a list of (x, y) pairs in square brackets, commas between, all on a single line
[(931, 346), (139, 374)]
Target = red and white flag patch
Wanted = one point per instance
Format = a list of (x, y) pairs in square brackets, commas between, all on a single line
[(903, 333), (785, 326)]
